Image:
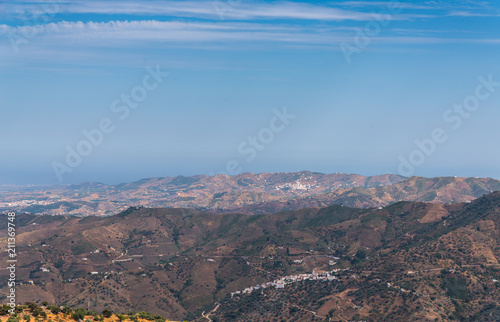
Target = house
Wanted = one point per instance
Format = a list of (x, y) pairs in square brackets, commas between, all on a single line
[(279, 285)]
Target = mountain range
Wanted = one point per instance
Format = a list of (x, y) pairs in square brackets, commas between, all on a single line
[(246, 193)]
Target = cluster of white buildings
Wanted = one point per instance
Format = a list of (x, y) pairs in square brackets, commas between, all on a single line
[(297, 185), (25, 203), (281, 282), (104, 273)]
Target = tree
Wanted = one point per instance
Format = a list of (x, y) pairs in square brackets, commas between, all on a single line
[(32, 306), (4, 310), (55, 309), (79, 314), (67, 310), (361, 254), (107, 313)]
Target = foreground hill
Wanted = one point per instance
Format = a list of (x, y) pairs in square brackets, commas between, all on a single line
[(248, 193), (410, 260)]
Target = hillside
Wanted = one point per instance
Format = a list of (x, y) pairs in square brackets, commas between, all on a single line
[(440, 260), (436, 190), (247, 193)]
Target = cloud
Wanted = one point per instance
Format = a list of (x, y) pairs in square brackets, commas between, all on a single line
[(256, 25), (160, 31), (425, 5), (472, 14), (156, 33), (217, 9), (69, 41), (385, 4)]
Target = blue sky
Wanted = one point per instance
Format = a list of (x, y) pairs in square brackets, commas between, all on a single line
[(363, 79)]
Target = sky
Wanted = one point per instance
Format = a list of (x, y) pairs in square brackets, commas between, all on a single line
[(116, 91)]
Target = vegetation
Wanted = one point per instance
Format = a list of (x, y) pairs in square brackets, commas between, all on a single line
[(49, 313)]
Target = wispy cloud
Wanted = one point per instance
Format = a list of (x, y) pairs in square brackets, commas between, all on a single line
[(161, 31), (206, 10), (385, 4), (472, 14), (423, 5), (260, 25)]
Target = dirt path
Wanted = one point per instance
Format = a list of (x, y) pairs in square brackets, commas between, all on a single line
[(207, 316)]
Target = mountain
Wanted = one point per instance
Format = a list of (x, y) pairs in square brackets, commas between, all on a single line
[(247, 193), (407, 261), (436, 190)]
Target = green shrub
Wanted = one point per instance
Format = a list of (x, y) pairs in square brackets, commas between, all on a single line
[(54, 309), (13, 319)]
